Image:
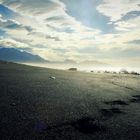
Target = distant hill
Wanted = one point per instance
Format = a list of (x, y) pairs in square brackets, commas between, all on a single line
[(14, 55)]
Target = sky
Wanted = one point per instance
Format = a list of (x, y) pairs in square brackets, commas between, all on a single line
[(79, 30)]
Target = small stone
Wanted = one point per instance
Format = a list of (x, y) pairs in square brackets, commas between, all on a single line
[(52, 77)]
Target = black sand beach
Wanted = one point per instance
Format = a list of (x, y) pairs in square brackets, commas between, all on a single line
[(73, 106)]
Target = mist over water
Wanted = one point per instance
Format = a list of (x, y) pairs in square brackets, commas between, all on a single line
[(85, 68)]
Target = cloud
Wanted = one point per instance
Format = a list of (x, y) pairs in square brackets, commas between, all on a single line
[(131, 15), (51, 37), (89, 50), (118, 9), (61, 29), (137, 42), (46, 28), (12, 24), (33, 7), (46, 20), (49, 54), (10, 43), (2, 33), (40, 11), (89, 17), (125, 26), (131, 24), (6, 12), (55, 18)]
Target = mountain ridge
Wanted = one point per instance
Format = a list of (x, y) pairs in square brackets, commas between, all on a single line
[(15, 55)]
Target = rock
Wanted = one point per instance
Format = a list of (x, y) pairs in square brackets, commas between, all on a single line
[(52, 77)]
